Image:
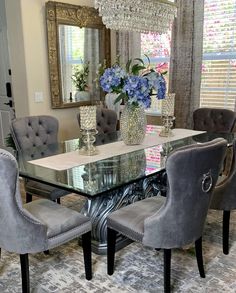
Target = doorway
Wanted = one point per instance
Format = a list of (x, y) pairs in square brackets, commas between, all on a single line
[(7, 111)]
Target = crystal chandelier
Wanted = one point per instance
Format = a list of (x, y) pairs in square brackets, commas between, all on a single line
[(137, 15)]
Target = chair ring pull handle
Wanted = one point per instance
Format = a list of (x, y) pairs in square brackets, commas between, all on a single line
[(207, 182)]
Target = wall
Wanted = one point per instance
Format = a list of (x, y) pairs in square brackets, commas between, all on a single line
[(29, 61), (17, 56)]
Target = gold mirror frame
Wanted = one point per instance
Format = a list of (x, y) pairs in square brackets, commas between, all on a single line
[(68, 14)]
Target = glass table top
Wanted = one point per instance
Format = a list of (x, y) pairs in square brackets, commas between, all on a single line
[(97, 178)]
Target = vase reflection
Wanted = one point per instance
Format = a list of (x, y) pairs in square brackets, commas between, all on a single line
[(114, 171)]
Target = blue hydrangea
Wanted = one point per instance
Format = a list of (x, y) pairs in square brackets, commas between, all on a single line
[(112, 78), (161, 92), (154, 81), (138, 90)]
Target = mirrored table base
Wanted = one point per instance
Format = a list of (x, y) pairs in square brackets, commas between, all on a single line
[(98, 208)]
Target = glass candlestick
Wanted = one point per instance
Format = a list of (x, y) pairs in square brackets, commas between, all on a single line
[(167, 113), (88, 130), (88, 137)]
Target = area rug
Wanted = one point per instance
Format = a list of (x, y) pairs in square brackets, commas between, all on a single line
[(137, 269)]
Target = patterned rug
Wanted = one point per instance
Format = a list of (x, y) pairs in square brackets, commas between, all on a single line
[(137, 269)]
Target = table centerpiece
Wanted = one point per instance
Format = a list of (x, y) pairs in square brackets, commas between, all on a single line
[(134, 85)]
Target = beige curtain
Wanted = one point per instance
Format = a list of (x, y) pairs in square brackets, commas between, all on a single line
[(91, 55), (128, 45), (186, 60)]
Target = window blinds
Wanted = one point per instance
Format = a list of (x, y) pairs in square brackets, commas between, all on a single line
[(218, 86), (74, 44)]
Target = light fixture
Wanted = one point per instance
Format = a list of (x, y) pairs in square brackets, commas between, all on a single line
[(137, 15)]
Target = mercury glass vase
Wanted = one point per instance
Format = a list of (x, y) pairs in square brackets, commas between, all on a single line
[(133, 124)]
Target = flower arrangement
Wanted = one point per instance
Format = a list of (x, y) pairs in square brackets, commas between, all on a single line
[(135, 84), (80, 76)]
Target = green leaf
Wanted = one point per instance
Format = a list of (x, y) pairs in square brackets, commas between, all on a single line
[(120, 97), (128, 65), (136, 68), (140, 60), (9, 141), (147, 58)]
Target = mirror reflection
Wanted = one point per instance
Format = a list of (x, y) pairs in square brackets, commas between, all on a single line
[(77, 42), (79, 59)]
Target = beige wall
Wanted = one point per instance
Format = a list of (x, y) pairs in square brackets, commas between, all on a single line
[(28, 51), (17, 56)]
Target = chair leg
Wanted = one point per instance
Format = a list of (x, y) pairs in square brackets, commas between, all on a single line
[(25, 273), (86, 244), (28, 197), (226, 220), (59, 200), (198, 249), (46, 252), (111, 249), (167, 267)]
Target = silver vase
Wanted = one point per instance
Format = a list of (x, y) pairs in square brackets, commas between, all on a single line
[(133, 124)]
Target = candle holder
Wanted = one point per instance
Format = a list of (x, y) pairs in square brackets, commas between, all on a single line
[(88, 137), (168, 105), (88, 130)]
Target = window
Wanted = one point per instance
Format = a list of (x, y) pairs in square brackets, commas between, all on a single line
[(72, 54), (78, 46), (157, 48), (218, 86)]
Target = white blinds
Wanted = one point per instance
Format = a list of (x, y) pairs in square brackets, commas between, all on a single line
[(74, 43), (218, 87)]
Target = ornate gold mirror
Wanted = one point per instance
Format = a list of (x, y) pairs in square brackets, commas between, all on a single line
[(77, 42)]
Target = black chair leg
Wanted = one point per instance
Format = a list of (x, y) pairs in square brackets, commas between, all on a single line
[(226, 220), (111, 249), (167, 267), (46, 252), (86, 244), (59, 200), (198, 249), (24, 261), (28, 197)]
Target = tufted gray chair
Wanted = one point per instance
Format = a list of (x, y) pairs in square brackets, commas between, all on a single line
[(224, 199), (36, 131), (178, 219), (214, 120), (106, 120), (36, 226)]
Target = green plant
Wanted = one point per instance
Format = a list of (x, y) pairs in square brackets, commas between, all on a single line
[(10, 142), (80, 76)]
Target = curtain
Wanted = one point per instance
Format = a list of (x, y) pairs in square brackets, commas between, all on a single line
[(65, 68), (186, 60), (91, 55), (128, 45)]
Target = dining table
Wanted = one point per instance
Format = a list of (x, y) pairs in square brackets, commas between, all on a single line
[(116, 176)]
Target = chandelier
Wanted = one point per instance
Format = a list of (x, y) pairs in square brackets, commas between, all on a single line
[(137, 15)]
